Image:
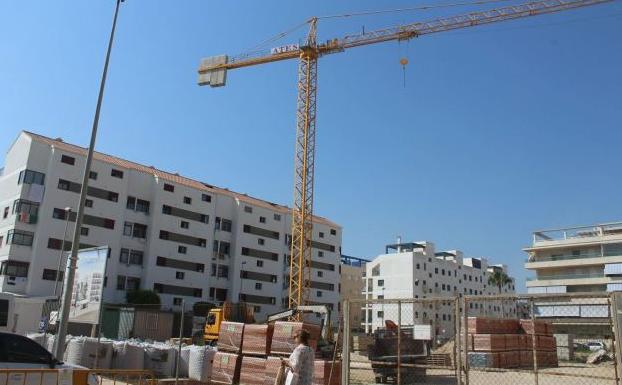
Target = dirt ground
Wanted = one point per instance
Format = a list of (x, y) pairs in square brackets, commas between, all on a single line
[(567, 374)]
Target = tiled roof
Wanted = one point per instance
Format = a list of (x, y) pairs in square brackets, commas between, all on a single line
[(171, 177)]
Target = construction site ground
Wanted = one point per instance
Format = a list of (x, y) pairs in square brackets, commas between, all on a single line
[(566, 374)]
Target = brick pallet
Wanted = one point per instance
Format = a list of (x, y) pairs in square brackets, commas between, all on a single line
[(257, 339), (230, 337), (283, 336), (226, 368), (252, 370), (491, 344)]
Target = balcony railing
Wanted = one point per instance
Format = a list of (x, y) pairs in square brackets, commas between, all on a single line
[(570, 257), (578, 232), (566, 276)]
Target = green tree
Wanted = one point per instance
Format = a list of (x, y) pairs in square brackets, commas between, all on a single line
[(142, 297), (499, 279)]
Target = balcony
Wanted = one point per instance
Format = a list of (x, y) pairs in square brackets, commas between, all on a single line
[(578, 234), (565, 276)]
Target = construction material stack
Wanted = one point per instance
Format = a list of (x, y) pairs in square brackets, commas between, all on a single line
[(510, 343)]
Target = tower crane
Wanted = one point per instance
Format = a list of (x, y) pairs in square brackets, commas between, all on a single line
[(213, 72)]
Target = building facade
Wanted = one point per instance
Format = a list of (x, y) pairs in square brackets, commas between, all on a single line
[(586, 259), (182, 238), (416, 270), (352, 283), (577, 259)]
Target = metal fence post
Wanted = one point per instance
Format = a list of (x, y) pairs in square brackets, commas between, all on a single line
[(181, 337), (345, 359), (614, 311), (457, 350), (399, 342), (534, 337), (465, 326)]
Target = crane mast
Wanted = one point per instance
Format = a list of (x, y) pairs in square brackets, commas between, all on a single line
[(213, 70)]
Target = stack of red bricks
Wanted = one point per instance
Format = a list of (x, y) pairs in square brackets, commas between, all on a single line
[(509, 343), (251, 354)]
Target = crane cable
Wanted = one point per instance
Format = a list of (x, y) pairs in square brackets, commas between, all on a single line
[(280, 35), (418, 8)]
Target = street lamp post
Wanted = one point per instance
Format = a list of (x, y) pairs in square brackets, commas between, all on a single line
[(62, 252), (59, 343)]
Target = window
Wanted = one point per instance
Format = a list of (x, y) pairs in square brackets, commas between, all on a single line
[(248, 209), (21, 350), (206, 198), (92, 175), (116, 173), (31, 177), (188, 200), (261, 241), (132, 284), (259, 263), (136, 257), (19, 237), (380, 314), (50, 275), (88, 203), (14, 268), (320, 254), (84, 231), (68, 159), (135, 230), (333, 232), (277, 217), (142, 206), (223, 224), (5, 214), (131, 203), (124, 256), (262, 219), (417, 266), (182, 249), (442, 271), (120, 282), (380, 282), (320, 274), (258, 286), (318, 293), (169, 187), (436, 270), (185, 225), (321, 234), (223, 271), (177, 301), (180, 275)]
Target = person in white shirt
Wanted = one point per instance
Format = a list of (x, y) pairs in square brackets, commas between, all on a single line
[(301, 361)]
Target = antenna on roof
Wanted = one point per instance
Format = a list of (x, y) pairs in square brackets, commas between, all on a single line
[(399, 243)]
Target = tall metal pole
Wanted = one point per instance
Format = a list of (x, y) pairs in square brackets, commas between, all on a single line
[(62, 250), (68, 291)]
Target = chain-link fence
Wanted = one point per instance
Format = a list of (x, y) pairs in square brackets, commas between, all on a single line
[(402, 341), (541, 339)]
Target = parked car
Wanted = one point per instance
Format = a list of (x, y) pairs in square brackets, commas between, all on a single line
[(579, 347), (596, 345), (19, 352)]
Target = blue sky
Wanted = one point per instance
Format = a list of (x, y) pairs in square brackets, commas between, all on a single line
[(500, 130)]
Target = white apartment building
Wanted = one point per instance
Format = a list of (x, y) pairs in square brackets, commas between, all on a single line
[(416, 270), (576, 259), (573, 260), (185, 239)]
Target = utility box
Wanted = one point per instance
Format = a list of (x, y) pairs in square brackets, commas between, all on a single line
[(423, 332)]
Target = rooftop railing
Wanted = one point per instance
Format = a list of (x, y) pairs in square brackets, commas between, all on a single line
[(578, 232)]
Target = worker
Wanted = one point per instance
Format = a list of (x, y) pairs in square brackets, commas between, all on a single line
[(301, 361)]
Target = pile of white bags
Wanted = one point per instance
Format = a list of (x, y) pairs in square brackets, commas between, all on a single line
[(184, 361), (128, 355), (85, 351), (200, 364), (160, 358)]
